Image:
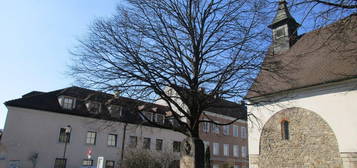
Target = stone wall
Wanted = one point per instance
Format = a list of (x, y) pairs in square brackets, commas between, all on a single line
[(311, 142), (349, 159)]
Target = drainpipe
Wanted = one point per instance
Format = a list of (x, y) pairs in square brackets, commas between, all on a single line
[(122, 145)]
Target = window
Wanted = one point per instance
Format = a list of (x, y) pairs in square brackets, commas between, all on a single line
[(235, 130), (115, 110), (226, 149), (64, 135), (60, 163), (68, 103), (159, 144), (112, 140), (148, 115), (226, 129), (176, 146), (279, 33), (172, 121), (109, 164), (87, 162), (244, 151), (159, 118), (133, 141), (14, 163), (94, 107), (243, 132), (206, 127), (215, 128), (146, 143), (216, 148), (236, 150), (285, 130), (91, 136)]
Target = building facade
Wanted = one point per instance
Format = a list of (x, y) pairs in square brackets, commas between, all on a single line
[(36, 135), (228, 143), (74, 126), (305, 115)]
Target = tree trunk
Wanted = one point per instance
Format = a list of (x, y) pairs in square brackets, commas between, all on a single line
[(199, 153), (192, 152)]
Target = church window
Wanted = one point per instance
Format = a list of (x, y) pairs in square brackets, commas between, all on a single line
[(285, 130)]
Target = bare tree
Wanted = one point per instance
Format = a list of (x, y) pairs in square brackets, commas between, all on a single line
[(205, 50), (319, 13)]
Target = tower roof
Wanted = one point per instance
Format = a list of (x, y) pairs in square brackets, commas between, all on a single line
[(283, 15)]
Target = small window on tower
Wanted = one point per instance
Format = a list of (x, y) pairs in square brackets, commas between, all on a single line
[(285, 130), (279, 33)]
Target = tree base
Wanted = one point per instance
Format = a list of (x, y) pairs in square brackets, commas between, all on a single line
[(192, 153)]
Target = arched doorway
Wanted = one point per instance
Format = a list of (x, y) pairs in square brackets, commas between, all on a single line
[(296, 137)]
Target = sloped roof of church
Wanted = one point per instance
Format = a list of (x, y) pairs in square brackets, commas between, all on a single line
[(325, 55)]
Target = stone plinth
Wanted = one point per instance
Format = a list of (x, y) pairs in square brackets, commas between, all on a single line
[(192, 150)]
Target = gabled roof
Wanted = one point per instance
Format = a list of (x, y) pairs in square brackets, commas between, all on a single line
[(325, 55)]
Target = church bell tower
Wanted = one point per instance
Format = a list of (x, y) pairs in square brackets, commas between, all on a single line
[(284, 28)]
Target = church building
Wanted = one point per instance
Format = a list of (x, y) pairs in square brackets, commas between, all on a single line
[(305, 98)]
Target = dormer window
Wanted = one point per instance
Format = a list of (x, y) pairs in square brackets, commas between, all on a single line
[(115, 110), (159, 118), (93, 107), (148, 115), (172, 121), (67, 102)]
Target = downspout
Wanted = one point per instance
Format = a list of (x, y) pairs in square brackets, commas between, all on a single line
[(122, 145)]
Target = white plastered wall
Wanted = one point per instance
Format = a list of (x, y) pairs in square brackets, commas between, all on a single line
[(28, 131)]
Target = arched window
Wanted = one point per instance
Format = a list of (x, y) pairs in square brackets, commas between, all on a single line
[(285, 130)]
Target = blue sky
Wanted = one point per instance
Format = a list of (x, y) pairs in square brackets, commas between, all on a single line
[(36, 36), (35, 39)]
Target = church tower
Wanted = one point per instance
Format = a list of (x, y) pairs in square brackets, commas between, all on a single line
[(284, 29)]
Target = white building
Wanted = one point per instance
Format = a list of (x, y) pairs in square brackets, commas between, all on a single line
[(39, 123), (306, 109), (35, 129)]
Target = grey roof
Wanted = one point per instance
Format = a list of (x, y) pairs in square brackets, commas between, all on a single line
[(48, 101)]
